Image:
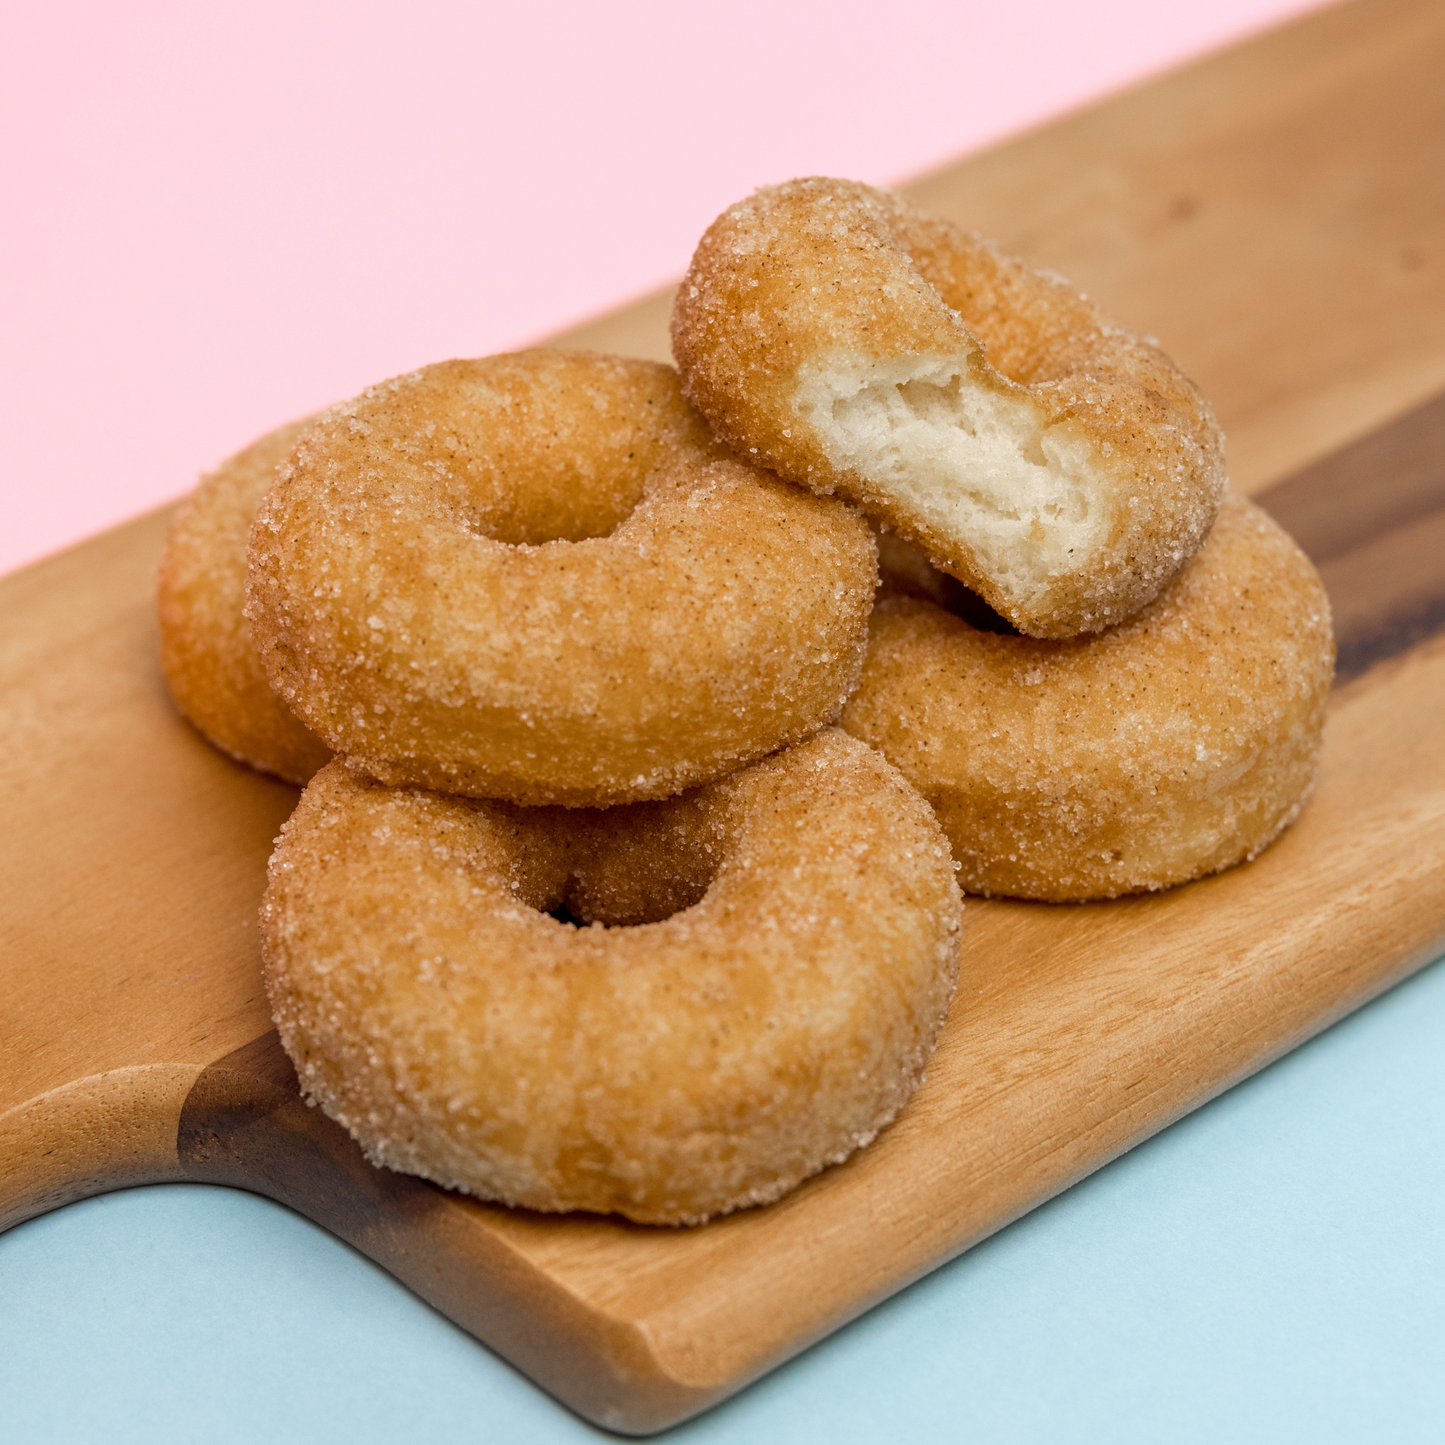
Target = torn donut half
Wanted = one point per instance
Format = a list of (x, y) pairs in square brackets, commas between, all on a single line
[(1060, 466)]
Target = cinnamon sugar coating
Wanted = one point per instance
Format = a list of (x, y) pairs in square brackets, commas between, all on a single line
[(1171, 746), (1061, 467), (768, 963), (207, 654), (537, 577)]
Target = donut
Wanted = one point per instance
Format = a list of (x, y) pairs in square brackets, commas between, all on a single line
[(1168, 747), (207, 654), (537, 578), (752, 986), (1061, 467)]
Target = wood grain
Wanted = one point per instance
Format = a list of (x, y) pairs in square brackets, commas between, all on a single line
[(1276, 215)]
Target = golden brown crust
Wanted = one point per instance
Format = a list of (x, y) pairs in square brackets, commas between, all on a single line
[(1060, 466), (536, 577), (209, 659), (1169, 747), (664, 1070)]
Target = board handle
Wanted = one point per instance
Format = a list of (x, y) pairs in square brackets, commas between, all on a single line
[(245, 1124)]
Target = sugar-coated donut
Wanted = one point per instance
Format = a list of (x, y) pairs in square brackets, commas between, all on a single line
[(1171, 746), (778, 1014), (536, 577), (207, 654), (1061, 467)]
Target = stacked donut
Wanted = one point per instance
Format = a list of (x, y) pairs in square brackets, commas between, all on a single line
[(1105, 674), (594, 907)]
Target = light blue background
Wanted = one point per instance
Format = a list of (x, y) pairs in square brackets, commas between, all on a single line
[(1271, 1269)]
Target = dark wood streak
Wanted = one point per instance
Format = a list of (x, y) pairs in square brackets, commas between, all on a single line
[(1372, 518), (245, 1124)]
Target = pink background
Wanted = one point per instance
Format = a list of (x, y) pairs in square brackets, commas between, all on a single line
[(217, 219)]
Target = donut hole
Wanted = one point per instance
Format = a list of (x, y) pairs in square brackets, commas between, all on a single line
[(619, 867), (568, 500), (956, 444), (646, 862), (626, 900), (905, 572), (536, 448)]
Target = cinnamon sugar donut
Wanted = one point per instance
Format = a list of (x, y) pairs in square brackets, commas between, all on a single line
[(775, 1016), (207, 654), (536, 577), (1059, 466), (1171, 746)]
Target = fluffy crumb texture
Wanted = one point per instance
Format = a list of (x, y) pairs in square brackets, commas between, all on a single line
[(537, 577), (1176, 744), (210, 662), (759, 976), (1061, 467)]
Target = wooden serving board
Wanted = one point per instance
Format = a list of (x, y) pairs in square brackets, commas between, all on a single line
[(1277, 216)]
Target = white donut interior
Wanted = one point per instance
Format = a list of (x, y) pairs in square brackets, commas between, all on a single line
[(952, 441)]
